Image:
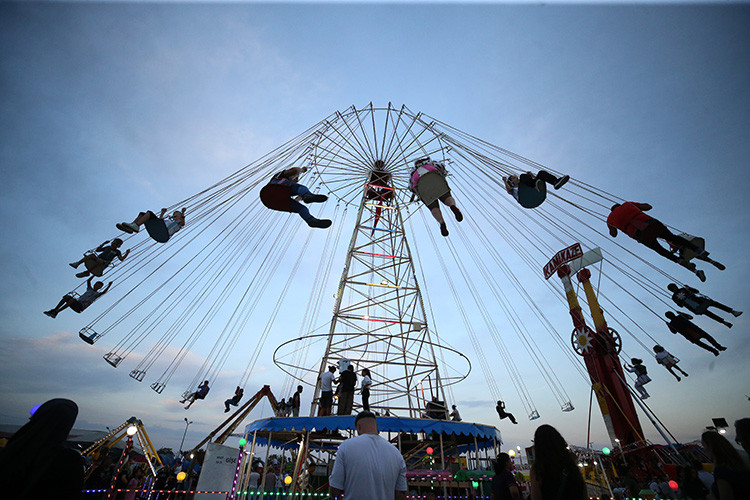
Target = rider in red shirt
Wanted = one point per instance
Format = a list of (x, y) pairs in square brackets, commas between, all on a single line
[(630, 218)]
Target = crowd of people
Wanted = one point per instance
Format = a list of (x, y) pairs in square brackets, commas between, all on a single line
[(366, 466)]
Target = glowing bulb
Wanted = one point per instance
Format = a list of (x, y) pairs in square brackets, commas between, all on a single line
[(243, 442), (673, 484), (132, 430), (475, 484), (512, 452), (722, 431), (518, 448), (181, 476), (429, 450), (606, 450), (288, 480)]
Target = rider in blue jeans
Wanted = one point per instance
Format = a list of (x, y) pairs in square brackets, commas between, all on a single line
[(290, 177)]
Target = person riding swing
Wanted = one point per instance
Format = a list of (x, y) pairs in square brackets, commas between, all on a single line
[(428, 182), (276, 195), (160, 227), (530, 190)]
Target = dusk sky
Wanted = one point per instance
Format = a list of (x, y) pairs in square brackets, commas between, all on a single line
[(107, 109)]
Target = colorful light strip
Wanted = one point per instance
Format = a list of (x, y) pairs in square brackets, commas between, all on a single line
[(382, 255)]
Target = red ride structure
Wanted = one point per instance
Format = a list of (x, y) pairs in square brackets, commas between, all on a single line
[(600, 347)]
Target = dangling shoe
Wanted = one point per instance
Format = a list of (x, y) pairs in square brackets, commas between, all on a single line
[(314, 198), (701, 275), (736, 313), (457, 213), (74, 265), (727, 324), (319, 223), (51, 314), (82, 274), (444, 229), (563, 180), (128, 227), (678, 379), (690, 266), (718, 265)]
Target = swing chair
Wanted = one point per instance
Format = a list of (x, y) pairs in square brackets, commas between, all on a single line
[(93, 267), (157, 229), (687, 253), (277, 197), (532, 197), (431, 184)]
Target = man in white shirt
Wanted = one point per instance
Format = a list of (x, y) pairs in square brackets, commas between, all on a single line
[(368, 467), (455, 416), (326, 392)]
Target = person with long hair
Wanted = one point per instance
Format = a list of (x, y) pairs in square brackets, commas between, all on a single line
[(731, 473), (35, 456), (504, 485), (555, 474)]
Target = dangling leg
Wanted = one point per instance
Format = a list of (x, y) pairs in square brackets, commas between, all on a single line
[(705, 346), (451, 203), (557, 182), (704, 257), (722, 307), (85, 257), (656, 247), (713, 342), (64, 302), (435, 211), (670, 369), (715, 317), (639, 387), (306, 195), (303, 212)]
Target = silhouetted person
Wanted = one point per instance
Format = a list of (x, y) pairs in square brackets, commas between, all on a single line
[(664, 358), (500, 407), (680, 323), (36, 464), (234, 400), (742, 426), (731, 473), (630, 218), (697, 303), (555, 474)]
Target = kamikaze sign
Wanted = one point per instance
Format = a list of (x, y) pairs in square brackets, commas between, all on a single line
[(573, 252)]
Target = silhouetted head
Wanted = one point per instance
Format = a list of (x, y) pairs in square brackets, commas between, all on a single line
[(299, 388), (350, 368), (116, 243), (742, 426), (658, 348), (503, 459), (331, 368), (672, 287), (636, 361), (721, 451), (365, 372), (97, 286), (669, 314), (615, 206)]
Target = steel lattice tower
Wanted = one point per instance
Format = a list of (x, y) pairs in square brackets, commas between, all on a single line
[(379, 319)]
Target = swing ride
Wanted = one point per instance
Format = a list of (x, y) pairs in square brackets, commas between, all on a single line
[(239, 273)]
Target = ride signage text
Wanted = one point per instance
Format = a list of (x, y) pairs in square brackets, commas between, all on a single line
[(573, 252)]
